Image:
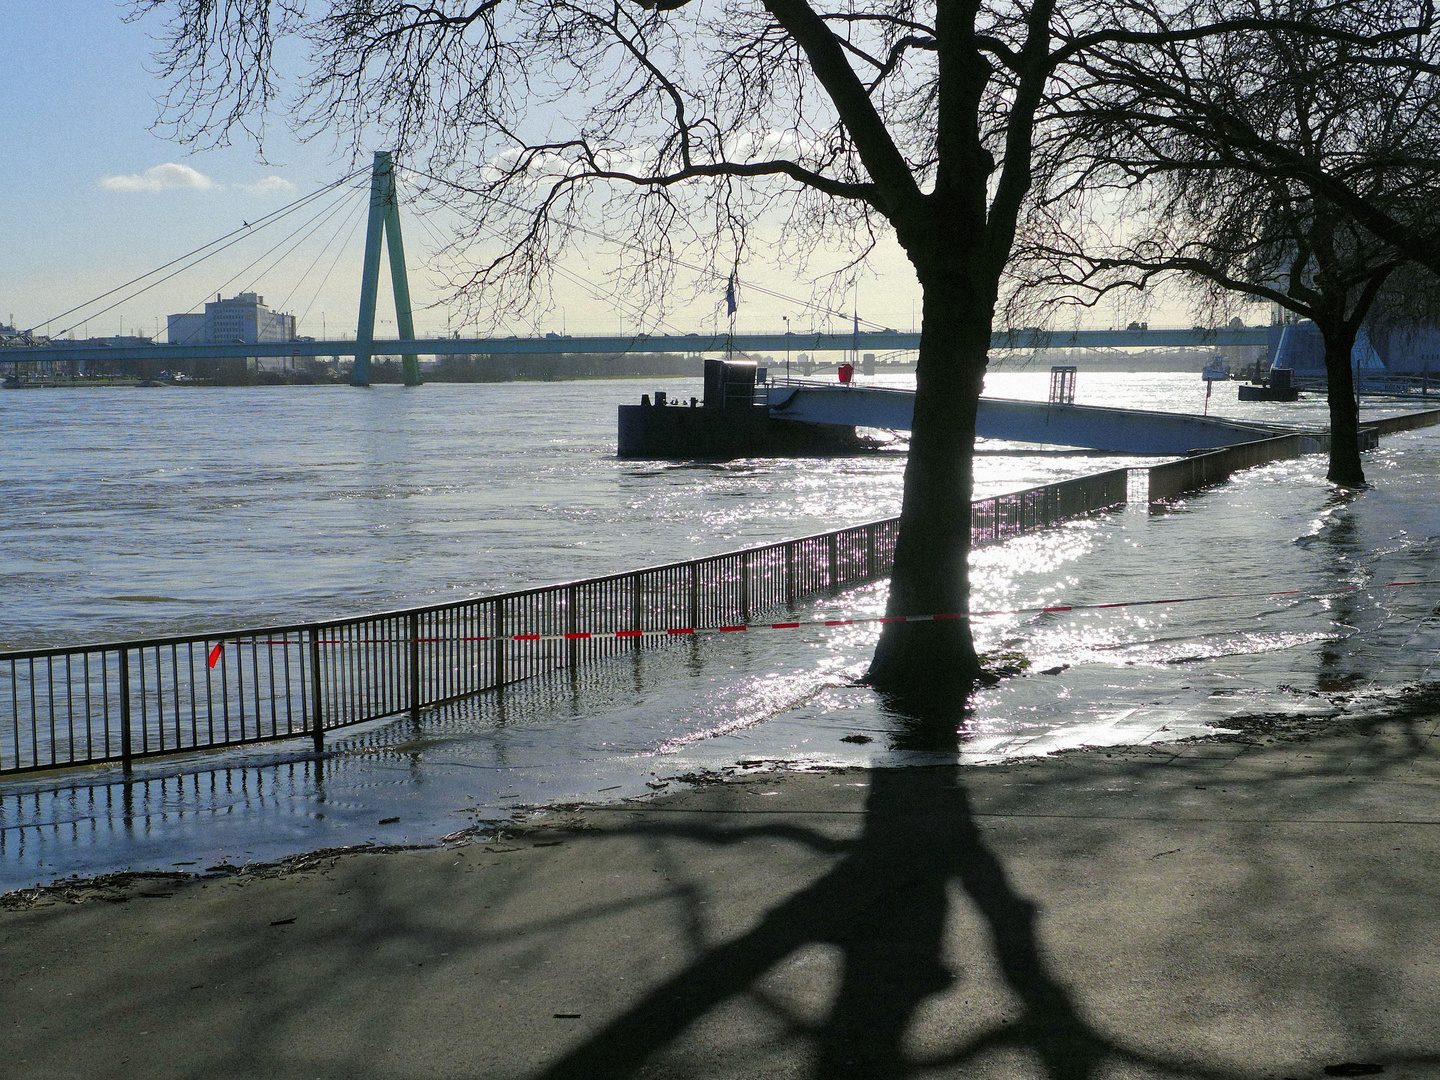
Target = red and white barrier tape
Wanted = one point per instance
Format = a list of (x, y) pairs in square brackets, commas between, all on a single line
[(685, 631)]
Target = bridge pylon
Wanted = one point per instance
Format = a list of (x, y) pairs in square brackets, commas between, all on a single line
[(384, 218)]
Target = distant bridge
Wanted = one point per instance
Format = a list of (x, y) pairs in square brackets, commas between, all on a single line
[(865, 341), (384, 230)]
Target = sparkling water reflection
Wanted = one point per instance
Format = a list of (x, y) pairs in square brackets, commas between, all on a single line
[(209, 518), (132, 512)]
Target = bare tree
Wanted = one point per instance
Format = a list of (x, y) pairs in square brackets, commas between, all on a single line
[(1391, 189), (918, 117), (1210, 149), (1227, 231)]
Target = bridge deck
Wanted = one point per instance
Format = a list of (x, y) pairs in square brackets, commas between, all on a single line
[(875, 341)]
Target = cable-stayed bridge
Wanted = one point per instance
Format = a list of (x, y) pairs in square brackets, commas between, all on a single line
[(384, 231)]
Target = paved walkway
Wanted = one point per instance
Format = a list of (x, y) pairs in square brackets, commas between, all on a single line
[(1262, 907)]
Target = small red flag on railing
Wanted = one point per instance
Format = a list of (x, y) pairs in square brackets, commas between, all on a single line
[(214, 657)]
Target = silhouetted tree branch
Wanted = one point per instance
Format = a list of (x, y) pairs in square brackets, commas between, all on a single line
[(543, 116), (1209, 150)]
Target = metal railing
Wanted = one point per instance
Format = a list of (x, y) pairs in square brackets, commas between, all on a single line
[(1389, 425), (1201, 470), (125, 700), (997, 519)]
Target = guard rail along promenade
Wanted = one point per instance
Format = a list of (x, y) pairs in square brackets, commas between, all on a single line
[(126, 700), (121, 701), (1201, 470)]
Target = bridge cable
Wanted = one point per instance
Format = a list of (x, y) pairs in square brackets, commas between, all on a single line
[(596, 291), (359, 205), (261, 223), (176, 273), (324, 214), (333, 263), (197, 262), (334, 209)]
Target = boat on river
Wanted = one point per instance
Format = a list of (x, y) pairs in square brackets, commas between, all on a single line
[(1216, 370)]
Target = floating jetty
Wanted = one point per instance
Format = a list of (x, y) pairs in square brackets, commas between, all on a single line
[(1278, 387), (743, 415)]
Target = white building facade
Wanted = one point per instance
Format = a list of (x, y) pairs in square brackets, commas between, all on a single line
[(241, 319)]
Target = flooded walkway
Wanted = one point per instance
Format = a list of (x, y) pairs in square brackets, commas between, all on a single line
[(630, 727)]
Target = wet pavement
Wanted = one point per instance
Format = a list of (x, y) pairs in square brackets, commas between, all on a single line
[(636, 726)]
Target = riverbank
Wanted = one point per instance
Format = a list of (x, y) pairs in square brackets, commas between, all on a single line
[(1255, 906)]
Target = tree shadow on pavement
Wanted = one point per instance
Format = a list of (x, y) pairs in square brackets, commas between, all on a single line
[(884, 906)]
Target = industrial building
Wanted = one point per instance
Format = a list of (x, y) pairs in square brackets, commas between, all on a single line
[(242, 318)]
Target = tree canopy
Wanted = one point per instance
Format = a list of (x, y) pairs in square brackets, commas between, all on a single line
[(1209, 148)]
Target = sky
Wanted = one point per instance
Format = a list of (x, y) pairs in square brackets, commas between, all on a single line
[(97, 196)]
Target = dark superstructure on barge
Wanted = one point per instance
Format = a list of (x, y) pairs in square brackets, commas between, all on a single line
[(728, 423)]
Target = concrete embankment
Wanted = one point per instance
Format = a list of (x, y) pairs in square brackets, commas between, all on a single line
[(1263, 906)]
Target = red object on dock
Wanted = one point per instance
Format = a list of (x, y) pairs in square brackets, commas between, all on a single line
[(847, 372)]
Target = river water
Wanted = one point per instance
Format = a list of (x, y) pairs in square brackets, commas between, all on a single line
[(130, 512)]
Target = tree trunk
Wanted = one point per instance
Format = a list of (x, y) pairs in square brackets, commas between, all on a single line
[(1345, 467), (931, 575)]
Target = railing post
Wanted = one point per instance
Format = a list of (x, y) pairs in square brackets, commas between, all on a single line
[(637, 616), (870, 551), (790, 573), (572, 626), (745, 587), (695, 595), (412, 629), (126, 750), (317, 700), (497, 652), (833, 558)]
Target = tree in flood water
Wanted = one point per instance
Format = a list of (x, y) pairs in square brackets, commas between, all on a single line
[(1210, 147), (930, 119)]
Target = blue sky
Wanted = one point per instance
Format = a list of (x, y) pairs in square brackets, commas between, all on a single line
[(95, 197)]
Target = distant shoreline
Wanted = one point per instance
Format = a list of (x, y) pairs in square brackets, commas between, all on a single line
[(1159, 365)]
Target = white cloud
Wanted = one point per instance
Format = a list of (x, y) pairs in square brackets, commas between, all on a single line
[(160, 178), (269, 185)]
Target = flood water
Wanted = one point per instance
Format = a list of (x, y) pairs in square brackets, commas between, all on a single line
[(131, 512)]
